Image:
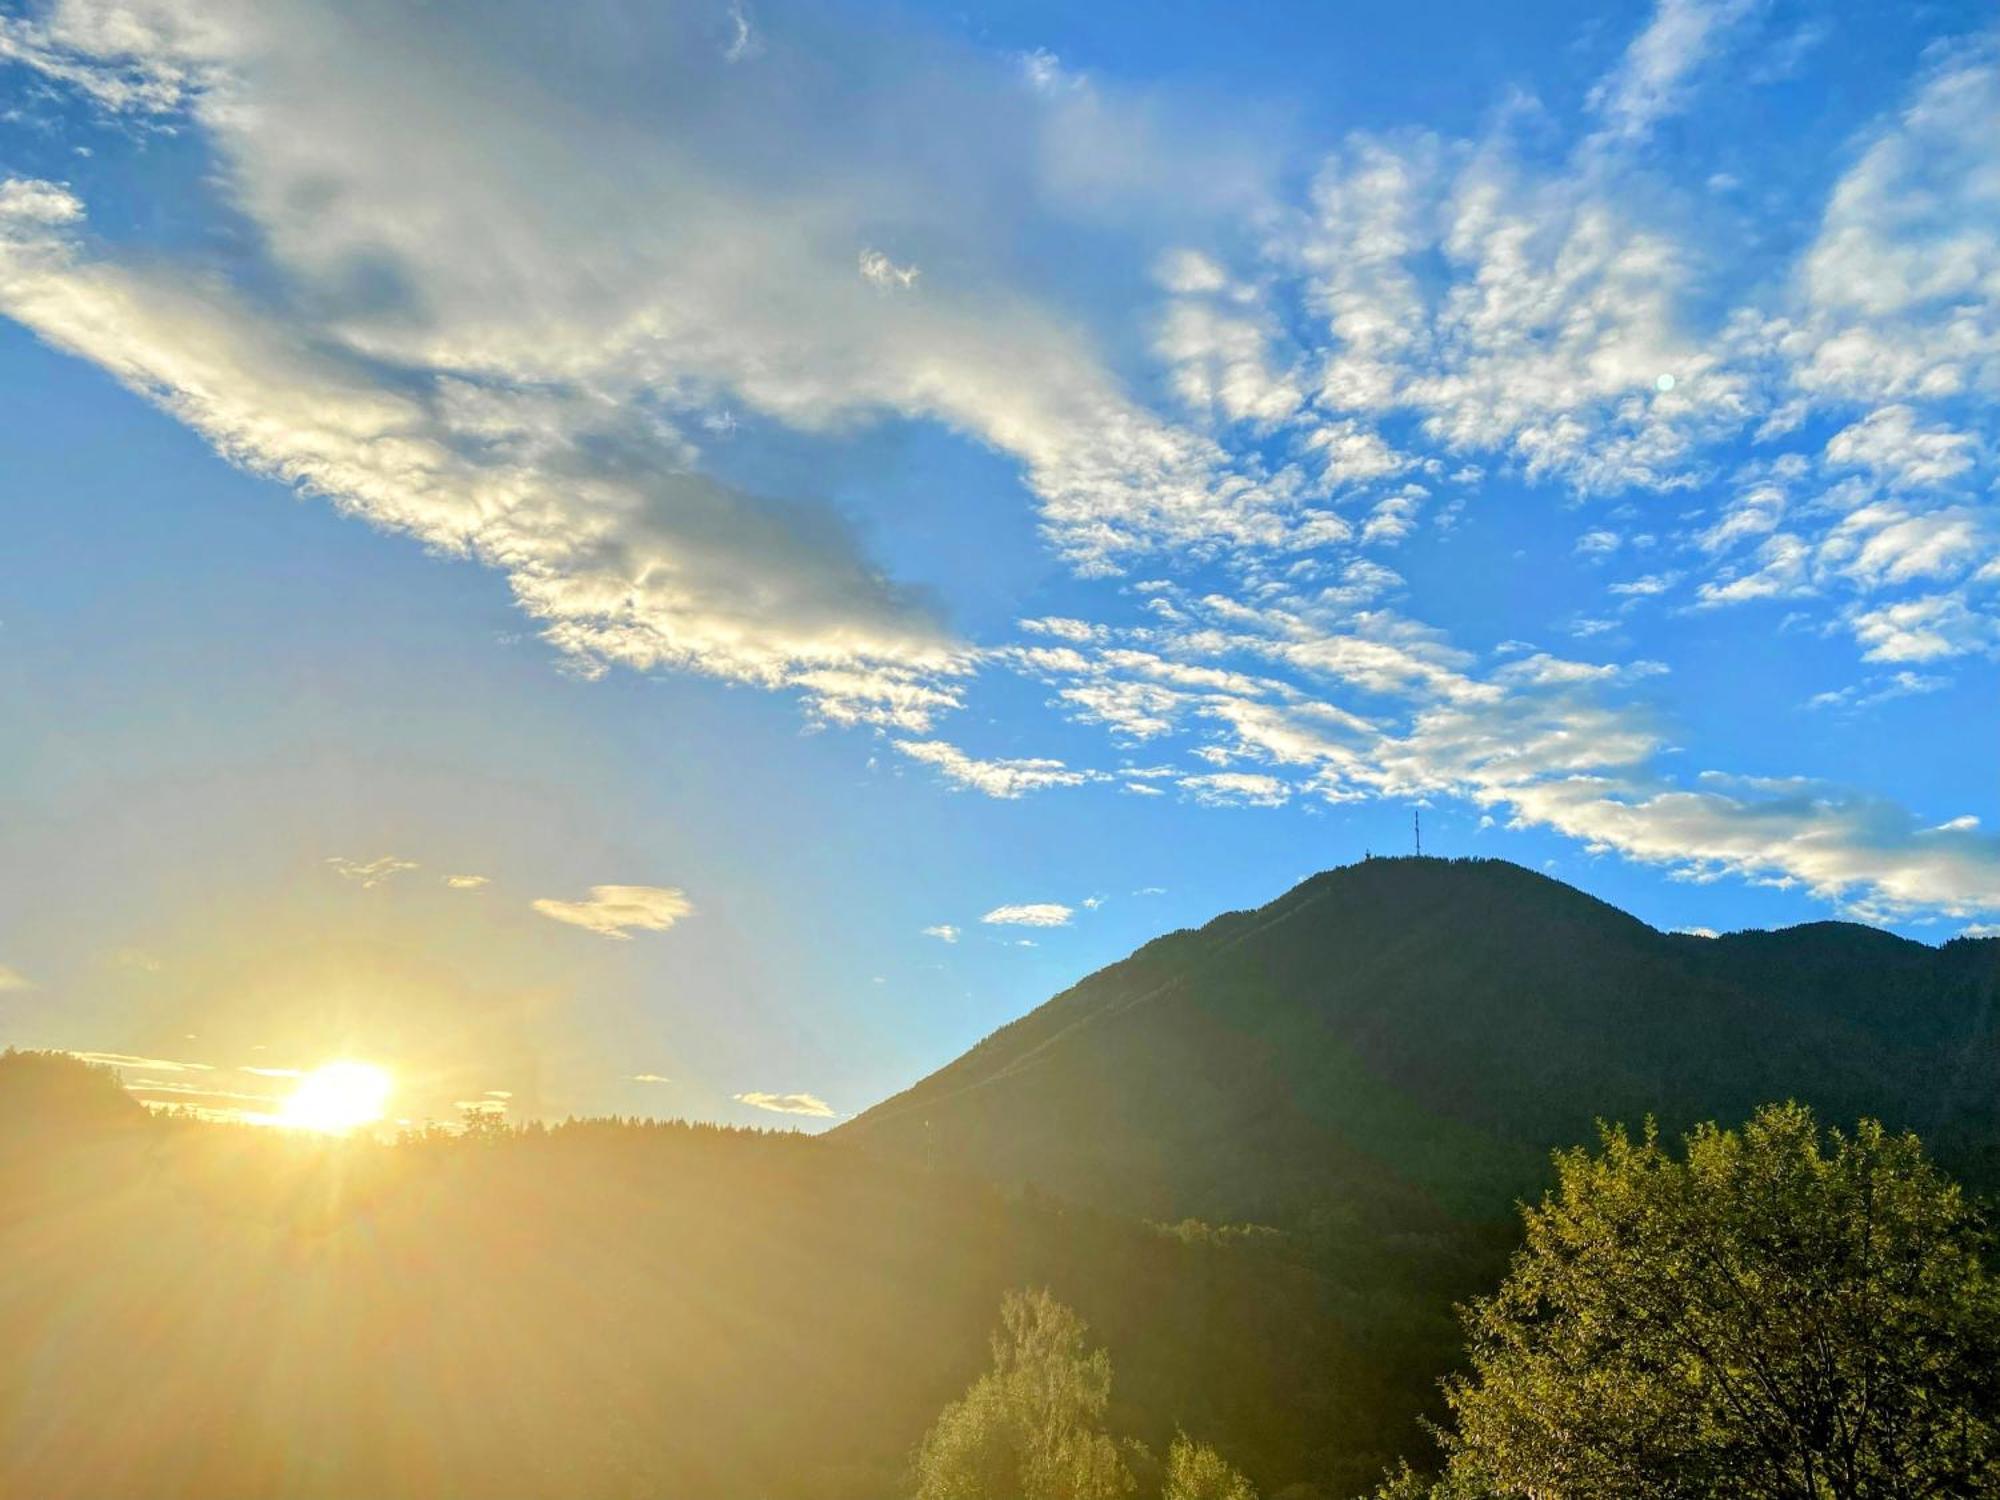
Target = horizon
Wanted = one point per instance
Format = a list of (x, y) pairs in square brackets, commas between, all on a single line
[(698, 561)]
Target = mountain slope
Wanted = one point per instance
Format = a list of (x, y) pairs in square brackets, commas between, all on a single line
[(1403, 1041)]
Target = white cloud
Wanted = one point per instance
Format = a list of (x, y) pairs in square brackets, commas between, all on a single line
[(878, 270), (1900, 291), (1651, 81), (1034, 914), (1932, 627), (944, 932), (370, 873), (996, 778), (467, 882), (1891, 443), (790, 1104), (616, 911), (1904, 684), (1237, 789)]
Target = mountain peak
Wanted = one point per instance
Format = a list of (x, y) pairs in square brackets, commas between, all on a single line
[(1425, 1026)]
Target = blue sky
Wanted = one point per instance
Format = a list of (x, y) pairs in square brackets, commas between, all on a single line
[(696, 560)]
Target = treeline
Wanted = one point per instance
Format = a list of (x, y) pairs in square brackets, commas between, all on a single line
[(627, 1309), (595, 1309)]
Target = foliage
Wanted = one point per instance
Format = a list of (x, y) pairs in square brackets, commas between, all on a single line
[(1032, 1427), (1774, 1316), (1196, 1471)]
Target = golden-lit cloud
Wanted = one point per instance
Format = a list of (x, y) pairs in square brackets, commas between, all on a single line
[(467, 882), (370, 873), (615, 911), (13, 981), (651, 1078), (791, 1104), (124, 1060)]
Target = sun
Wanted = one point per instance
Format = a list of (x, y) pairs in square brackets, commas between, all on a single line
[(337, 1097)]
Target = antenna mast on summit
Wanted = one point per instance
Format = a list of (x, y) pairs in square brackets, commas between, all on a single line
[(1417, 827)]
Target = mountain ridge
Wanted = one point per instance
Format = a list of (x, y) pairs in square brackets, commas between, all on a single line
[(1390, 1015)]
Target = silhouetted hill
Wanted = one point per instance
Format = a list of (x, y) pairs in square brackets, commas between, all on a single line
[(1404, 1039)]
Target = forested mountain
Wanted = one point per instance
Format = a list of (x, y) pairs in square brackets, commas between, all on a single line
[(1262, 1159), (1403, 1039)]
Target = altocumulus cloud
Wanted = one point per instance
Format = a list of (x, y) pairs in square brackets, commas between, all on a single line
[(617, 911), (1032, 914), (528, 371), (790, 1104)]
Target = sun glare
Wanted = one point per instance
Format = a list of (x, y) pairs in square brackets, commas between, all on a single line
[(337, 1097)]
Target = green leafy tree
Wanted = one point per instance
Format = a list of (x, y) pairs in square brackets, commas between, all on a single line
[(1777, 1315), (1196, 1471), (1032, 1427)]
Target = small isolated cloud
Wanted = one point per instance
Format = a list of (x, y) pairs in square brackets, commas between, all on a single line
[(371, 873), (944, 932), (878, 270), (744, 42), (13, 981), (467, 882), (614, 911), (791, 1104), (1033, 914), (1700, 932), (651, 1078), (1151, 890)]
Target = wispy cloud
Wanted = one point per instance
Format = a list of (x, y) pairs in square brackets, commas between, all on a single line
[(790, 1104), (467, 882), (13, 981), (124, 1060), (651, 1078), (369, 873), (944, 932), (996, 778), (617, 911)]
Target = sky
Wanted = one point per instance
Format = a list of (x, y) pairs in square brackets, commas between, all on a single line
[(695, 560)]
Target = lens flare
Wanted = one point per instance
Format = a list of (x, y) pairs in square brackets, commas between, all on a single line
[(337, 1097)]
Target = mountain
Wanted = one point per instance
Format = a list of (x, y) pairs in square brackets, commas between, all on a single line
[(1401, 1042)]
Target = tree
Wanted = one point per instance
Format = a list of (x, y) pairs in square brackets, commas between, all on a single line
[(1196, 1471), (1031, 1428), (1780, 1315)]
